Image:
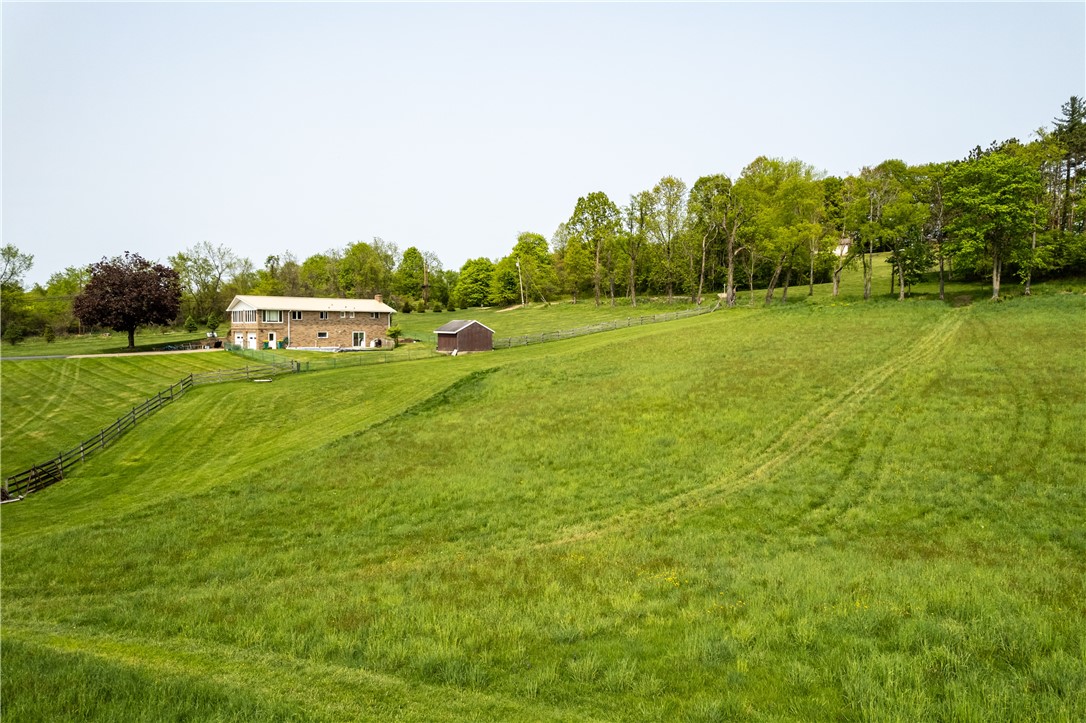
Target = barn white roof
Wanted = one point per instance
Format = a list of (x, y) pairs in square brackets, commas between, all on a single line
[(305, 303), (457, 325)]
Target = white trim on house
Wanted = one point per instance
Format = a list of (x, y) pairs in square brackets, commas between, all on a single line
[(245, 302)]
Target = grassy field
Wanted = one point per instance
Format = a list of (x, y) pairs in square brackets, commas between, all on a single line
[(50, 405), (104, 343), (810, 512)]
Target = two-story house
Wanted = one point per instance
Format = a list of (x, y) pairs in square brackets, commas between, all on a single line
[(270, 322)]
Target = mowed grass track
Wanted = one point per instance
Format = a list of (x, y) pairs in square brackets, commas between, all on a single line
[(808, 513), (51, 405)]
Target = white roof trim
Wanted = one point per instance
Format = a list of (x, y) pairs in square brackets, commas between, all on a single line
[(463, 326), (248, 302)]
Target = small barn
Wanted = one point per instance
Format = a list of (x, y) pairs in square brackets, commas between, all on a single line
[(460, 336)]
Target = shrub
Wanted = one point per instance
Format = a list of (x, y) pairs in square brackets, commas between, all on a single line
[(191, 325), (407, 307), (50, 334)]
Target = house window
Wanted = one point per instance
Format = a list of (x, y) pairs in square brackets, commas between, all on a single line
[(323, 315), (295, 316), (352, 314), (272, 317), (375, 315), (343, 315), (322, 334), (242, 317)]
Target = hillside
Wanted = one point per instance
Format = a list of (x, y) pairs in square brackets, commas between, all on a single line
[(811, 512)]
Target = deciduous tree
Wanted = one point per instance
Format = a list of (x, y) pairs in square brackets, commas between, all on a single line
[(994, 197), (127, 292)]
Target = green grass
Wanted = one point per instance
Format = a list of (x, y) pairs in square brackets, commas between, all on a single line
[(810, 512), (103, 343), (51, 405)]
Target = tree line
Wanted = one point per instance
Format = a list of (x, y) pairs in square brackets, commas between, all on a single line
[(1009, 208)]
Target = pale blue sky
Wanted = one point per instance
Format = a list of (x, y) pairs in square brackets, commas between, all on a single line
[(453, 127)]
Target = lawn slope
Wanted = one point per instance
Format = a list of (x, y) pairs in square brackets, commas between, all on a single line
[(51, 405), (806, 513)]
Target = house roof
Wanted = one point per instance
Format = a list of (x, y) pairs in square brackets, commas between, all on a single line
[(304, 303), (456, 325)]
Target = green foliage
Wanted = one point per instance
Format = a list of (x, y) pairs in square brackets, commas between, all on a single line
[(214, 321), (822, 541), (993, 197), (504, 283), (128, 291), (409, 274), (49, 334), (473, 285), (406, 307), (191, 325), (394, 333), (14, 332)]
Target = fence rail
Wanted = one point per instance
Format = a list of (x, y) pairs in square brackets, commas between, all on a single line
[(51, 471), (42, 475), (629, 321), (339, 360)]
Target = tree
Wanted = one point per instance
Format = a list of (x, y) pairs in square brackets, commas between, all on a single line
[(320, 273), (410, 280), (709, 206), (595, 221), (1070, 132), (667, 223), (473, 285), (14, 315), (365, 271), (128, 291), (204, 270), (994, 197), (13, 265), (635, 236)]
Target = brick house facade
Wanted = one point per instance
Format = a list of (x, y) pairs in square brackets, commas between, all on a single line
[(259, 322)]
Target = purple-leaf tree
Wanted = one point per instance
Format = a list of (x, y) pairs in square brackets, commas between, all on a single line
[(127, 292)]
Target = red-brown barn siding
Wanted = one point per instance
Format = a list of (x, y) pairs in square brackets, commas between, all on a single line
[(474, 337)]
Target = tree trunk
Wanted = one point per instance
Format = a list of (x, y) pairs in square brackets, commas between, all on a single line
[(773, 281), (810, 276), (787, 278), (869, 261), (729, 290), (997, 270), (633, 280), (701, 276), (837, 280), (596, 276), (132, 338), (1032, 256), (901, 281), (942, 285)]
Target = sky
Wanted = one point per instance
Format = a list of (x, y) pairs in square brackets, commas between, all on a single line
[(303, 127)]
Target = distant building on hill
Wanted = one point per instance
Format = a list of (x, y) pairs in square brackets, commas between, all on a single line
[(271, 322), (460, 336)]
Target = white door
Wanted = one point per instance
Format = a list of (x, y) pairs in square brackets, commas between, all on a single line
[(239, 340), (271, 339), (359, 340), (252, 340)]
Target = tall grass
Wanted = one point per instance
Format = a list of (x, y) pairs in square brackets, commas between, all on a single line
[(810, 513)]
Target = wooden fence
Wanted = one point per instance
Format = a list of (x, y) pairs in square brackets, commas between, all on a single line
[(597, 328), (42, 475)]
